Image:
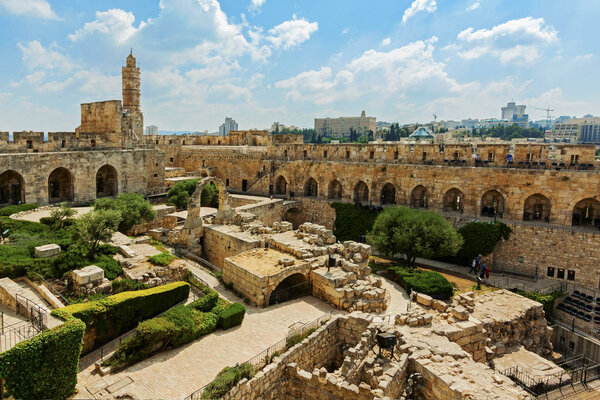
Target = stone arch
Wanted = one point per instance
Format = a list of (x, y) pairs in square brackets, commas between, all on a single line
[(536, 208), (419, 197), (586, 213), (194, 219), (12, 188), (290, 287), (311, 188), (60, 186), (293, 215), (334, 191), (493, 204), (361, 193), (280, 185), (107, 181), (204, 174), (454, 200), (388, 194)]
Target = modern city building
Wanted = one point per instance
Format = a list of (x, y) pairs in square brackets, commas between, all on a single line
[(152, 130), (590, 132), (569, 130), (515, 114), (229, 125), (343, 125), (278, 127)]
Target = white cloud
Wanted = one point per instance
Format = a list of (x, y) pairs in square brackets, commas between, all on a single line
[(255, 5), (417, 6), (386, 42), (116, 23), (30, 8), (345, 31), (519, 41), (473, 6), (585, 57), (291, 33), (382, 74), (527, 27), (37, 56)]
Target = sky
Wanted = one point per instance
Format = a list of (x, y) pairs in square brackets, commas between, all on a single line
[(261, 61)]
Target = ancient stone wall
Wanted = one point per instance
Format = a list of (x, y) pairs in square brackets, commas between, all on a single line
[(218, 244), (140, 171)]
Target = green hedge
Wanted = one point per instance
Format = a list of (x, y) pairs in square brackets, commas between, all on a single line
[(178, 326), (480, 238), (10, 210), (226, 380), (427, 282), (231, 316), (45, 366), (547, 301), (351, 222), (114, 315)]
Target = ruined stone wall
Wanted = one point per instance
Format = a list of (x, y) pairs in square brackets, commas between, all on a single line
[(140, 171), (532, 249), (218, 245)]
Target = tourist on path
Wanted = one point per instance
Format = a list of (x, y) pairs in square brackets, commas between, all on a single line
[(483, 267), (487, 272)]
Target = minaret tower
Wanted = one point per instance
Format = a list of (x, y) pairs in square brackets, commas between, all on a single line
[(131, 85)]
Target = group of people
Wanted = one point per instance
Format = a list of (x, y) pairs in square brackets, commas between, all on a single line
[(480, 266)]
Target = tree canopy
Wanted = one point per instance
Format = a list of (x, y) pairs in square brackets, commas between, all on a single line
[(132, 206), (414, 233), (97, 226), (179, 195)]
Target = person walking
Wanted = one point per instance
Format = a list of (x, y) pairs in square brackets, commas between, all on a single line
[(473, 266), (483, 267), (487, 272)]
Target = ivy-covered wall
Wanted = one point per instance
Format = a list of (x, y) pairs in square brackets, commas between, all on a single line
[(45, 366)]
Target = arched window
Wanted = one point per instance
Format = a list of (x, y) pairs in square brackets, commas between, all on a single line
[(418, 197), (12, 188), (334, 191), (280, 185), (492, 204), (60, 186), (587, 213), (454, 200), (106, 181), (361, 192), (311, 188)]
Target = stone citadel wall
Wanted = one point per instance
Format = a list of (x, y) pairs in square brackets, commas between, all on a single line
[(75, 174)]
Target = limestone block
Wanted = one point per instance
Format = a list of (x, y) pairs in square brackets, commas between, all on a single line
[(48, 250), (127, 251), (460, 313), (87, 275), (424, 299), (439, 305)]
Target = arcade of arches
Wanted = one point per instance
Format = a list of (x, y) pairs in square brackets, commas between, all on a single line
[(12, 188)]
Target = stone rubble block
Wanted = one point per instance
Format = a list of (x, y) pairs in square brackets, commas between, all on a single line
[(127, 251), (89, 274), (48, 250)]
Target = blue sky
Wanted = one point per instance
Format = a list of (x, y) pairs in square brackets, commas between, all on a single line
[(261, 61)]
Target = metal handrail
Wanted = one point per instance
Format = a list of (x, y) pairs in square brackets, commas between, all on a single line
[(53, 290)]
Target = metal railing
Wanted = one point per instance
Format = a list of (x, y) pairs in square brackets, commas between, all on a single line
[(263, 358), (53, 289), (13, 334), (290, 293), (36, 313)]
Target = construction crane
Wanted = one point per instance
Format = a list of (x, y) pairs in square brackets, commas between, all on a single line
[(548, 117)]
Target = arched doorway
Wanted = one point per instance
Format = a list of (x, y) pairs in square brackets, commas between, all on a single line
[(280, 185), (361, 193), (454, 200), (536, 208), (294, 216), (311, 188), (12, 188), (107, 182), (492, 204), (587, 213), (418, 197), (334, 191), (60, 186), (292, 287), (388, 194)]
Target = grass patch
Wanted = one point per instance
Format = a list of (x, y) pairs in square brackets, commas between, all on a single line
[(162, 259), (430, 283), (10, 210)]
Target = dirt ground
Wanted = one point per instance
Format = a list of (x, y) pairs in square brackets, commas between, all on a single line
[(261, 262)]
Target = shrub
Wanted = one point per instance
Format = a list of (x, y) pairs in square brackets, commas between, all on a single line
[(10, 210), (226, 380), (431, 283), (231, 316), (179, 195), (480, 238), (162, 259), (116, 314), (352, 221), (207, 302), (547, 300), (47, 221), (126, 285), (45, 366), (294, 340), (132, 206)]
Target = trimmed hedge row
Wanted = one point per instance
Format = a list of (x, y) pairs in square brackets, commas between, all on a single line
[(178, 326), (114, 315), (10, 210), (226, 380), (431, 283), (45, 366)]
